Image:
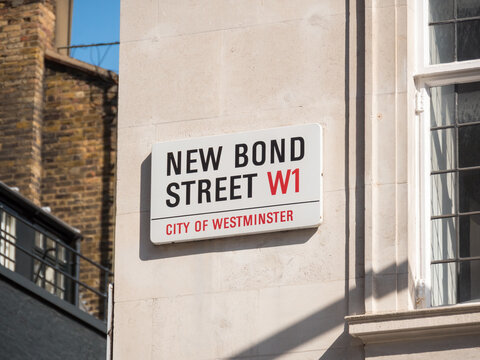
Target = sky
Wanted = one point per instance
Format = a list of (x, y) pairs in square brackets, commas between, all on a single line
[(96, 21)]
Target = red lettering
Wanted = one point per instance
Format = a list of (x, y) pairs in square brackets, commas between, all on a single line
[(278, 179), (261, 219), (217, 224), (296, 172), (178, 228)]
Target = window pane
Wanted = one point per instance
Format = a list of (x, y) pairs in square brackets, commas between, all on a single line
[(444, 284), (39, 240), (49, 287), (50, 245), (443, 194), (60, 293), (442, 105), (469, 146), (468, 102), (468, 40), (443, 239), (440, 10), (469, 281), (60, 280), (442, 43), (467, 8), (38, 269), (50, 274), (61, 254), (470, 236), (469, 190), (443, 149)]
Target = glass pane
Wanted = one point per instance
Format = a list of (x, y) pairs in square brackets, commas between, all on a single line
[(38, 270), (443, 194), (442, 43), (469, 190), (50, 288), (468, 40), (470, 236), (443, 239), (442, 105), (60, 293), (469, 281), (38, 240), (440, 10), (468, 102), (60, 280), (50, 248), (469, 146), (50, 274), (50, 244), (444, 284), (443, 149), (61, 253), (467, 8)]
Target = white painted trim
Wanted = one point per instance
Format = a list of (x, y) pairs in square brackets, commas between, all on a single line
[(428, 76), (416, 324), (421, 30), (452, 75), (109, 354), (425, 181)]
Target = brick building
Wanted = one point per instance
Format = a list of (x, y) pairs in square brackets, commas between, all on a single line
[(58, 129)]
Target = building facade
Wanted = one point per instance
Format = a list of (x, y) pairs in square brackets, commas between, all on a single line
[(40, 306), (58, 126), (393, 270)]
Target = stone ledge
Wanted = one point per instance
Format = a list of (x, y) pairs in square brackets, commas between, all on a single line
[(80, 65), (415, 324)]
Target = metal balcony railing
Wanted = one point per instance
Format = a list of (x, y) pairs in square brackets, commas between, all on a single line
[(53, 263)]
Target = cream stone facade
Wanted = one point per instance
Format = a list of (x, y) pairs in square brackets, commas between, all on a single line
[(351, 288)]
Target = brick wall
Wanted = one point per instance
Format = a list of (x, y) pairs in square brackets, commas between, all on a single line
[(58, 130), (26, 30), (78, 161)]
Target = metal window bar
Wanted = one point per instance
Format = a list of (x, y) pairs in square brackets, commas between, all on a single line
[(453, 20), (104, 272)]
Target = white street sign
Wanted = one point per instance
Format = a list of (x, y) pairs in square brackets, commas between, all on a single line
[(236, 184)]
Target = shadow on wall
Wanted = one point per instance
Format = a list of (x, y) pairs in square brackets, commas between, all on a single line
[(316, 324)]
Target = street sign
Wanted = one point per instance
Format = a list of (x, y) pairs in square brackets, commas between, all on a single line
[(236, 184)]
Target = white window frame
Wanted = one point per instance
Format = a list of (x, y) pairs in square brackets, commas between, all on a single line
[(428, 76)]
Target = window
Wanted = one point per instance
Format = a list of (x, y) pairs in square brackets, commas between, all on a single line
[(450, 151), (455, 193), (36, 254), (54, 255), (39, 250), (7, 240), (454, 30)]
